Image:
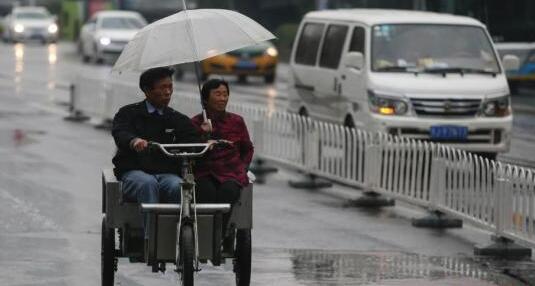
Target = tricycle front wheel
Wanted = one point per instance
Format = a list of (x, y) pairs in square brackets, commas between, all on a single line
[(186, 255), (242, 260)]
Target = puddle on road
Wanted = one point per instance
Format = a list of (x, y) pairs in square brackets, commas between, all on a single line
[(324, 268)]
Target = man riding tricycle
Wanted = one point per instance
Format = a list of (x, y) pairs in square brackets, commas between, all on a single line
[(179, 192)]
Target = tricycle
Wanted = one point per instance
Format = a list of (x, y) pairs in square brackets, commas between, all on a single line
[(187, 234)]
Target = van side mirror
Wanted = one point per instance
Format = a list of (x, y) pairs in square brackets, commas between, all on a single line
[(354, 60), (510, 62)]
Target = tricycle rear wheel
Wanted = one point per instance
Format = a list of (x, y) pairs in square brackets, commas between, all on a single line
[(242, 260), (107, 255), (186, 255)]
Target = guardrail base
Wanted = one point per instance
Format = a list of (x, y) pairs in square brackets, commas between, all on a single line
[(503, 247), (372, 199), (77, 116), (260, 170), (310, 182), (106, 124), (437, 219)]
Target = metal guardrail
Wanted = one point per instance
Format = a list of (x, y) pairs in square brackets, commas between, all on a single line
[(491, 195)]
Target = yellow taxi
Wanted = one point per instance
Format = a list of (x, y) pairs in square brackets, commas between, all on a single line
[(258, 60)]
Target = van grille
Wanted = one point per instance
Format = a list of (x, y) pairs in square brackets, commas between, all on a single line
[(445, 107)]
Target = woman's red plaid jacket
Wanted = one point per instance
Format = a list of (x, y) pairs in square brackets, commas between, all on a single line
[(226, 163)]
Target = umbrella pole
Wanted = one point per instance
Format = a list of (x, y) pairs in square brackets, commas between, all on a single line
[(198, 76)]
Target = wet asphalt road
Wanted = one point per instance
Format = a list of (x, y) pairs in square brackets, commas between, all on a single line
[(50, 204)]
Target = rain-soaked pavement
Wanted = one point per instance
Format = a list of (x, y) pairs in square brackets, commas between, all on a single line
[(50, 207)]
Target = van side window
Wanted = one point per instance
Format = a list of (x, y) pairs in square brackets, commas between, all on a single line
[(307, 49), (333, 46), (357, 40)]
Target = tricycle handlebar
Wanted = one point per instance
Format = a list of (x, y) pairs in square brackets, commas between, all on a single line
[(174, 150), (167, 149)]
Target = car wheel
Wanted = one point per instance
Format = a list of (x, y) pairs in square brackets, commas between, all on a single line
[(85, 57), (270, 78), (96, 58)]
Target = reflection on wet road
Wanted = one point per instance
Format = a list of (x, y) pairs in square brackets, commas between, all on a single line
[(387, 268)]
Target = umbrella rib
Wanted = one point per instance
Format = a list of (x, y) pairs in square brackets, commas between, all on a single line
[(239, 26), (190, 34)]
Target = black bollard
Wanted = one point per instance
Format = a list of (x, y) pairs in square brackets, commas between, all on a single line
[(260, 170), (371, 199), (75, 115)]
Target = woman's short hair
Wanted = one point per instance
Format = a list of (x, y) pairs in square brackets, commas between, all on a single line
[(149, 77), (209, 86)]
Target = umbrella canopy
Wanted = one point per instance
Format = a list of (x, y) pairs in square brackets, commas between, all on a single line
[(189, 36)]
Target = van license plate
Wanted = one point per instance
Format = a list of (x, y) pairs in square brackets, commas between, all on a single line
[(448, 132)]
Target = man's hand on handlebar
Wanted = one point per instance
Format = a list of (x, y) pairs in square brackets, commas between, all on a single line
[(139, 144)]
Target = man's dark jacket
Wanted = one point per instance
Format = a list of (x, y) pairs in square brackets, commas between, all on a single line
[(133, 121)]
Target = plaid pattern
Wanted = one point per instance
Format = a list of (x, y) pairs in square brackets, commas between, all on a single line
[(226, 163)]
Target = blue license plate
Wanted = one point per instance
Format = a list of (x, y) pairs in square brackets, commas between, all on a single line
[(448, 132), (248, 65)]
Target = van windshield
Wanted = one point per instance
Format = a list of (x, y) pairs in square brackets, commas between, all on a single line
[(428, 48)]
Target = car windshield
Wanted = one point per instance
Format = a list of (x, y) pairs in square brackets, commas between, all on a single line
[(122, 23), (425, 47), (31, 15)]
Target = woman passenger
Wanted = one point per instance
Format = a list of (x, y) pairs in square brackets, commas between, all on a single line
[(222, 173)]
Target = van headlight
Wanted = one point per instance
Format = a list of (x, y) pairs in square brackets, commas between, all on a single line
[(386, 105), (496, 107)]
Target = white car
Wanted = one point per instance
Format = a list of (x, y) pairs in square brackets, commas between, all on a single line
[(30, 22), (106, 34)]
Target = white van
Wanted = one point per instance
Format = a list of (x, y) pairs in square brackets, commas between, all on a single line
[(416, 74)]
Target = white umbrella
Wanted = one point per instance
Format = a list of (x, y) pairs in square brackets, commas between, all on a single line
[(189, 36)]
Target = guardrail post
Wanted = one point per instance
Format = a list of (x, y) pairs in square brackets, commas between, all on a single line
[(75, 115), (372, 173), (436, 218), (311, 152), (502, 246), (258, 166)]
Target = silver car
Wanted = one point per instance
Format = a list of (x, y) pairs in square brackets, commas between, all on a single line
[(106, 34), (30, 22)]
